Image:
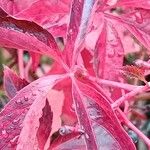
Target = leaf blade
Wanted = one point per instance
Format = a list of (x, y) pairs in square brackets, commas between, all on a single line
[(12, 116)]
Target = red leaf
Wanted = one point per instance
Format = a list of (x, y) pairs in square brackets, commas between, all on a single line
[(38, 11), (109, 52), (35, 60), (45, 125), (83, 118), (12, 82), (69, 142), (56, 97), (20, 117), (134, 3), (137, 23), (68, 116), (21, 34), (104, 121), (12, 7), (87, 59), (52, 15), (139, 27), (79, 17)]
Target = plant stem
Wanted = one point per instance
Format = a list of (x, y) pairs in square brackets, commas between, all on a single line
[(27, 69), (136, 130), (124, 86), (129, 96), (21, 63)]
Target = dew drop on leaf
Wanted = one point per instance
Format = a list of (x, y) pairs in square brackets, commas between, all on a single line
[(73, 107), (34, 93), (70, 31), (4, 133), (19, 101), (16, 121), (62, 131), (111, 53), (87, 136), (139, 18), (133, 136), (13, 141), (120, 53), (25, 98), (113, 43), (9, 115)]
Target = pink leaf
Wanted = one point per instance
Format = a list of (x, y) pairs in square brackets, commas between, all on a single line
[(52, 15), (20, 117), (83, 118), (79, 17), (139, 26), (12, 82), (134, 3), (43, 8), (12, 7), (68, 116), (109, 52), (104, 121), (56, 97), (137, 23)]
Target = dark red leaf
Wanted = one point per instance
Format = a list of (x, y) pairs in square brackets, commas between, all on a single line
[(134, 3), (44, 129), (12, 82), (83, 118), (69, 142), (35, 60), (109, 52), (27, 35), (20, 117), (104, 121)]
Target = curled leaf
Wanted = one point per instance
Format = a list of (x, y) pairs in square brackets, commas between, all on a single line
[(133, 72)]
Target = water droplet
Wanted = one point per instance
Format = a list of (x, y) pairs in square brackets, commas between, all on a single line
[(19, 101), (133, 136), (11, 127), (40, 90), (16, 121), (34, 93), (9, 115), (139, 18), (120, 53), (62, 131), (26, 98), (82, 128), (14, 141), (94, 114), (4, 133), (111, 53), (73, 107), (113, 43), (87, 136), (70, 31)]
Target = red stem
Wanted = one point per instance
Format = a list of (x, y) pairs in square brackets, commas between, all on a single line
[(21, 63), (124, 86), (27, 69), (129, 96)]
